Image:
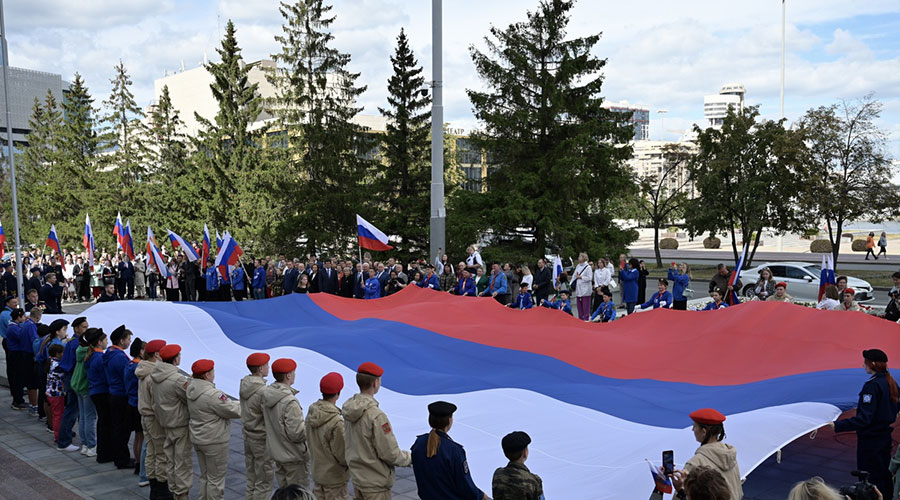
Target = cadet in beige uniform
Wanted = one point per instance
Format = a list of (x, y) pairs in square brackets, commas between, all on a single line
[(155, 459), (371, 448), (211, 411), (256, 458), (170, 407), (285, 430), (325, 430)]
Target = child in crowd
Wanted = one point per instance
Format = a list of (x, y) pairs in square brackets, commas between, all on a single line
[(523, 301), (562, 302), (662, 298), (717, 303), (56, 392), (606, 311)]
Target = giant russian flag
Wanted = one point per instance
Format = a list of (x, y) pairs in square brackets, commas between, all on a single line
[(371, 238), (597, 399)]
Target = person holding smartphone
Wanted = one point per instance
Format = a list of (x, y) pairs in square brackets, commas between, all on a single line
[(709, 431)]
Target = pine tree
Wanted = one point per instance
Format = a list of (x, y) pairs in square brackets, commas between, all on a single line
[(402, 185), (123, 130), (558, 155), (37, 163), (236, 174), (316, 103)]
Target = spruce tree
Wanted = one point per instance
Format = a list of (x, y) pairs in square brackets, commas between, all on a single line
[(557, 155), (123, 131), (316, 103), (402, 185)]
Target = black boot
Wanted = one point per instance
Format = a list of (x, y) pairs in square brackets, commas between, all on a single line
[(164, 493), (137, 468), (154, 489)]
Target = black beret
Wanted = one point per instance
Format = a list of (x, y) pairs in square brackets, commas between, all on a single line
[(93, 335), (875, 355), (441, 409), (117, 334), (57, 324), (515, 442)]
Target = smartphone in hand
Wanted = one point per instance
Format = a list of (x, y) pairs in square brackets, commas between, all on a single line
[(668, 460)]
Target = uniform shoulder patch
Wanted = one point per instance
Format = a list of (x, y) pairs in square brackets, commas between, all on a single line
[(223, 397), (866, 398), (465, 466), (386, 428), (186, 382)]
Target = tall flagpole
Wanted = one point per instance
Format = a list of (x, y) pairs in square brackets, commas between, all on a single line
[(11, 154), (438, 211), (783, 18)]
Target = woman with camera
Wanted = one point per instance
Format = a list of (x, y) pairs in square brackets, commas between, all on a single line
[(875, 412)]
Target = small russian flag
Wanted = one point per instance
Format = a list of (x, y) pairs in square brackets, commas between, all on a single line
[(2, 241), (178, 241), (53, 242), (663, 483), (370, 237)]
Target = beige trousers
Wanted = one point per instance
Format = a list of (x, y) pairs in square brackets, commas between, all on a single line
[(180, 466), (331, 492), (213, 461), (292, 473), (260, 469), (155, 437)]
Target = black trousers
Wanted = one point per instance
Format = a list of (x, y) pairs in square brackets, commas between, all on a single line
[(679, 305), (240, 295), (873, 454), (21, 373), (104, 428), (120, 431), (42, 392), (172, 294), (225, 293)]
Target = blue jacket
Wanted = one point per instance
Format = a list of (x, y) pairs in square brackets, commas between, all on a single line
[(96, 374), (606, 311), (40, 355), (712, 306), (465, 286), (430, 282), (4, 320), (373, 288), (679, 283), (875, 411), (523, 301), (20, 337), (564, 305), (212, 279), (237, 278), (68, 360), (446, 475), (131, 383), (629, 279), (259, 278), (658, 300), (114, 362), (291, 277), (497, 283)]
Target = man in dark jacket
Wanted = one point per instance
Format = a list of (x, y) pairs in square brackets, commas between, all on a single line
[(35, 282), (328, 279), (126, 278), (542, 282), (291, 277), (51, 295)]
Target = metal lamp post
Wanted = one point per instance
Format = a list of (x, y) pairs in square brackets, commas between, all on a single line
[(438, 211), (11, 155)]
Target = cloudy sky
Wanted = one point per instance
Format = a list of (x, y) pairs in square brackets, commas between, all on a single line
[(661, 54)]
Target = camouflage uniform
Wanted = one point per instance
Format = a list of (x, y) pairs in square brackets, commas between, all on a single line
[(516, 482)]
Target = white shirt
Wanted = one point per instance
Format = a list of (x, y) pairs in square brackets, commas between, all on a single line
[(473, 259), (583, 277), (602, 277), (828, 304), (528, 278)]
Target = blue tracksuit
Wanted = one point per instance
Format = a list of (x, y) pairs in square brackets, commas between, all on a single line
[(68, 360), (466, 286), (212, 279), (259, 278), (131, 383), (712, 306), (4, 320), (564, 305), (373, 288), (606, 311), (96, 374), (114, 362), (497, 283), (679, 283), (629, 279), (658, 300), (430, 281), (20, 337), (523, 301), (237, 277)]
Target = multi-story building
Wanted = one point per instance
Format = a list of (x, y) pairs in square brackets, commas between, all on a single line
[(648, 160), (26, 85), (715, 107), (640, 117)]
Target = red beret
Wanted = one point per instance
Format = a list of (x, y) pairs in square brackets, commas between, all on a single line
[(257, 359), (202, 366), (371, 369), (707, 416), (169, 351), (154, 346), (781, 284), (849, 290), (331, 383), (284, 365)]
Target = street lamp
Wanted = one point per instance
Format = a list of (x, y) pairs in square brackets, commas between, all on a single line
[(438, 211), (11, 155)]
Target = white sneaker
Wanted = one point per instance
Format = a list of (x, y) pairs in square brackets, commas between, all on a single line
[(71, 447), (91, 452), (143, 483), (84, 449)]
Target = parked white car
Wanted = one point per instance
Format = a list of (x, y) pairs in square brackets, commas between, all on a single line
[(802, 280)]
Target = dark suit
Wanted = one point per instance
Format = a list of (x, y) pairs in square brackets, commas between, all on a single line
[(328, 281), (542, 283), (291, 277), (33, 284), (125, 283), (51, 296)]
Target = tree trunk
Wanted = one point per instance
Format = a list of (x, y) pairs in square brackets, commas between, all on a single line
[(836, 247), (656, 244), (734, 243), (753, 252)]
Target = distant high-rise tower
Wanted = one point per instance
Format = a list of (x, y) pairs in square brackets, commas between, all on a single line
[(715, 107), (640, 117)]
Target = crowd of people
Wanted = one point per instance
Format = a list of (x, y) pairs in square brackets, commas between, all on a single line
[(588, 289), (116, 386)]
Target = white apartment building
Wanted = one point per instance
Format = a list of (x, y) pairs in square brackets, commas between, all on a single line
[(715, 107), (648, 160)]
